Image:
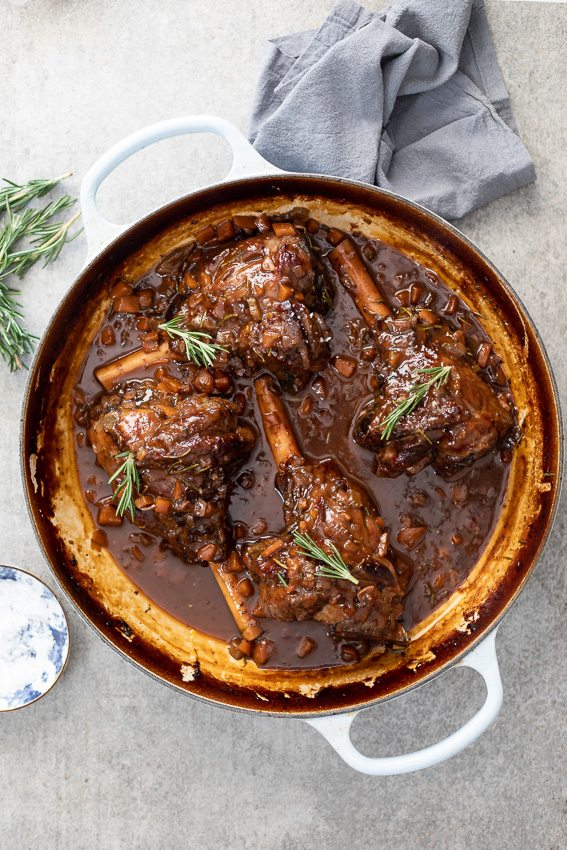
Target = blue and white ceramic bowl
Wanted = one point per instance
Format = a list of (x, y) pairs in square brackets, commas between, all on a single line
[(34, 638)]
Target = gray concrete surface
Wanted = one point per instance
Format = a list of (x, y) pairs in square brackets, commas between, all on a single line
[(110, 759)]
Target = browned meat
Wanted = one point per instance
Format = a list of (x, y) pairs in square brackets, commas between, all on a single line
[(321, 502), (457, 420), (262, 299), (186, 449), (335, 514)]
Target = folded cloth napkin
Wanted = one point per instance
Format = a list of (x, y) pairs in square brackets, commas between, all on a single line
[(411, 99)]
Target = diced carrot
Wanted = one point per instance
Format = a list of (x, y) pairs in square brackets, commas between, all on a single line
[(126, 304), (452, 305), (204, 381), (107, 335), (226, 230), (100, 537), (190, 282), (245, 588), (410, 536), (162, 506), (306, 646), (416, 291), (223, 382), (263, 650), (207, 552), (245, 647), (263, 223), (234, 562), (150, 341), (145, 297), (107, 516), (169, 411), (284, 292), (335, 236), (345, 366), (283, 228), (120, 288), (245, 222), (170, 385), (205, 234), (483, 354), (251, 632), (427, 316), (271, 549)]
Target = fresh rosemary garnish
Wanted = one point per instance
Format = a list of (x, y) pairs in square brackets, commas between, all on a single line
[(282, 579), (15, 197), (45, 239), (15, 341), (196, 345), (125, 490), (46, 246), (333, 564), (439, 375)]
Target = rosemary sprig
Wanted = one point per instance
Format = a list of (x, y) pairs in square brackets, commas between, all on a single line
[(45, 241), (125, 490), (282, 579), (15, 341), (48, 246), (196, 346), (47, 237), (14, 196), (439, 376), (333, 564)]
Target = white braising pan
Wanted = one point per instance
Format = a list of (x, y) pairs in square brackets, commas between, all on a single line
[(462, 631)]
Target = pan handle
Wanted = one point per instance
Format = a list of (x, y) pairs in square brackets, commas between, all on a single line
[(246, 162), (336, 728)]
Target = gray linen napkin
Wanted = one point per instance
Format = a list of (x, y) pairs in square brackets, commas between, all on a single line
[(411, 99)]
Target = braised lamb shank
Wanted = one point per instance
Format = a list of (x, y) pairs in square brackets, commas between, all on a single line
[(459, 416), (186, 448), (262, 299), (325, 508)]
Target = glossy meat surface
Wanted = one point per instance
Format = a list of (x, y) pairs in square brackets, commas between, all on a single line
[(319, 501), (456, 422), (187, 448), (263, 300)]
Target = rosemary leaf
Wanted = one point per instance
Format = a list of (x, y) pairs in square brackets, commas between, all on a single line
[(333, 564), (45, 239), (198, 349), (125, 490), (438, 375), (14, 196), (15, 341), (48, 245)]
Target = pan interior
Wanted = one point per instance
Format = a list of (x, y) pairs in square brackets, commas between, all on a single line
[(199, 664)]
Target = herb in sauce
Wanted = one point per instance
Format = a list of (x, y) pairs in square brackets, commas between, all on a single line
[(198, 350), (334, 566), (439, 376), (125, 490)]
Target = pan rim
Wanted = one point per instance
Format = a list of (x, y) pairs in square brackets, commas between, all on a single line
[(557, 428)]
